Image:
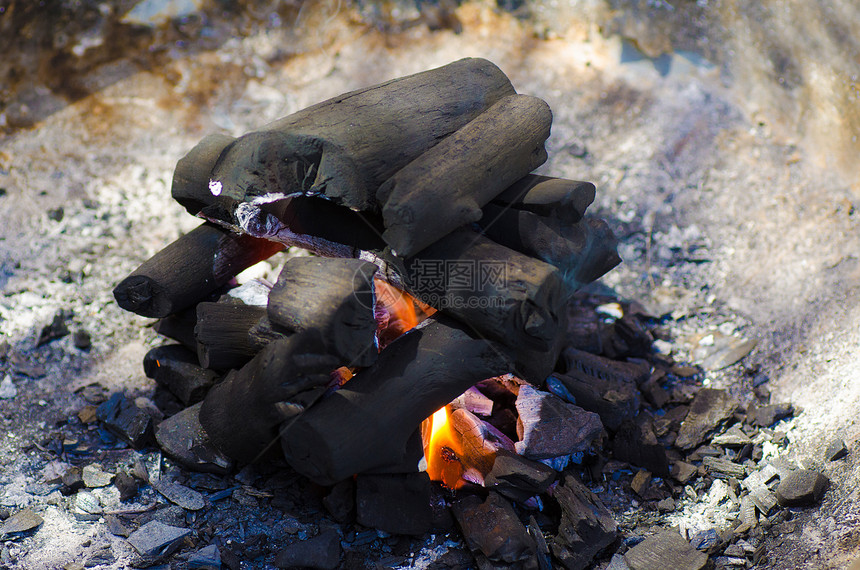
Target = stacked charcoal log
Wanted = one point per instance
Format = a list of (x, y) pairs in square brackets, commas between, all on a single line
[(424, 183)]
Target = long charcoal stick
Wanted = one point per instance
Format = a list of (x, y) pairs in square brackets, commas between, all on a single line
[(190, 268), (344, 147), (366, 424), (222, 333), (563, 199), (446, 187)]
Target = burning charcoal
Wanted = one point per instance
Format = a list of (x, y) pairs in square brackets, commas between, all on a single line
[(57, 329), (207, 558), (189, 269), (322, 551), (182, 437), (177, 369), (474, 401), (23, 521), (241, 414), (586, 527), (180, 327), (636, 443), (441, 189), (836, 450), (493, 528), (641, 482), (316, 151), (724, 467), (548, 427), (126, 485), (334, 439), (801, 488), (604, 386), (334, 299), (518, 478), (126, 420), (766, 416), (399, 504), (157, 539), (479, 443), (710, 408), (94, 477), (188, 499), (82, 340), (222, 335), (340, 502), (667, 549)]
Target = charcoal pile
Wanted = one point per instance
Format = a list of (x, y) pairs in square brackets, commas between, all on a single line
[(434, 333)]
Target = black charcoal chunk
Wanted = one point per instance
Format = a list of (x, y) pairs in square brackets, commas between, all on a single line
[(709, 410), (667, 549), (322, 551), (587, 527), (801, 488), (493, 529), (395, 503)]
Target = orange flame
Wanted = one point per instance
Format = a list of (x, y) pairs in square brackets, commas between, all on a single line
[(396, 312), (443, 449)]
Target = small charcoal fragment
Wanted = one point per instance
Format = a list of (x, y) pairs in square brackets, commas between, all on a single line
[(181, 495), (207, 558), (322, 551), (492, 528), (82, 340), (156, 538), (733, 437), (641, 482), (801, 488), (126, 485), (518, 478), (126, 420), (683, 471), (766, 416), (395, 503), (587, 527), (57, 329), (636, 443), (667, 549), (708, 411), (73, 480), (836, 450), (340, 502), (93, 476), (724, 467), (182, 437), (22, 521), (549, 427)]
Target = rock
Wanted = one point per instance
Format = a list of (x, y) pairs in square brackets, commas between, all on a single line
[(126, 485), (549, 427), (126, 420), (518, 478), (157, 539), (181, 495), (836, 450), (93, 476), (395, 503), (636, 443), (22, 521), (640, 482), (724, 467), (182, 437), (7, 388), (766, 416), (492, 528), (709, 409), (801, 488), (667, 549), (322, 551), (587, 527), (207, 558), (683, 471)]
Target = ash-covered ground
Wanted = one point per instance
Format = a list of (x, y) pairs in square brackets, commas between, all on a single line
[(705, 132)]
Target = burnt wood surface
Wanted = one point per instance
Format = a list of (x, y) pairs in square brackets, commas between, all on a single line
[(180, 327), (177, 369), (447, 185), (563, 199), (333, 297), (189, 269), (366, 424), (222, 333), (344, 147)]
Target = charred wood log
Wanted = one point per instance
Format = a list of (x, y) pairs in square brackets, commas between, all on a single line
[(177, 369), (222, 332), (319, 150), (565, 200), (446, 186), (366, 424), (188, 269), (241, 414), (334, 298), (180, 327)]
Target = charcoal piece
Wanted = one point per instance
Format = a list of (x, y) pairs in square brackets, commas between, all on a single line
[(733, 437), (479, 443), (641, 482), (518, 478), (126, 420), (682, 471), (157, 539), (332, 297), (177, 369), (180, 327), (587, 527), (492, 528), (22, 521), (263, 332), (763, 499), (705, 540), (126, 485), (322, 551), (583, 328), (413, 377), (447, 185), (724, 467), (475, 402), (654, 393), (73, 480), (82, 340), (399, 504), (836, 450), (222, 333), (340, 502), (627, 336), (801, 488), (207, 558), (93, 476), (57, 329), (190, 268), (636, 443), (318, 150), (565, 200), (116, 527), (766, 416), (708, 411), (666, 549), (187, 498), (182, 438), (549, 427), (241, 415)]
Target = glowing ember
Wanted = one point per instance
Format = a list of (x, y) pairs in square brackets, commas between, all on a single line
[(396, 312)]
